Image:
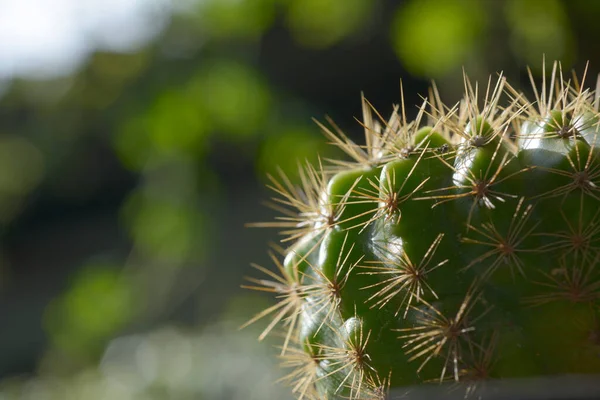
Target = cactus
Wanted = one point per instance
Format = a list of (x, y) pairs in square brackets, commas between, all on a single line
[(458, 247)]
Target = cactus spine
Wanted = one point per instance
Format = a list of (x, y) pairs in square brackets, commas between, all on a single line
[(461, 246)]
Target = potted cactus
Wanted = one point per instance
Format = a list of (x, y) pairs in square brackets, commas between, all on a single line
[(459, 248)]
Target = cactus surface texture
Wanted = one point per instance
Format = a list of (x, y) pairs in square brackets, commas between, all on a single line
[(458, 247)]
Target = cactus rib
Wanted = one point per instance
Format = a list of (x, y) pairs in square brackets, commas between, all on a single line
[(458, 247)]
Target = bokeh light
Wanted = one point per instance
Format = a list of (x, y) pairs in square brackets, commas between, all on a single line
[(433, 37), (164, 229), (234, 96), (97, 305), (243, 19), (540, 27), (21, 169), (323, 23), (175, 124), (289, 147)]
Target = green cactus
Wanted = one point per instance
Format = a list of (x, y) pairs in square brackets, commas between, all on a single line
[(461, 246)]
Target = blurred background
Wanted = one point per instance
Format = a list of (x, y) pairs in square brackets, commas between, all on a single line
[(135, 138)]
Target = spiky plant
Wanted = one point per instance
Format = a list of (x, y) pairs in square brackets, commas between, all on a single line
[(461, 246)]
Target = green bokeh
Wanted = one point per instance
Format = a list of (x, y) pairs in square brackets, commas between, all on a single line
[(433, 37), (166, 230), (323, 23), (222, 96), (236, 98), (98, 303), (22, 167), (174, 124), (242, 19), (540, 27), (289, 147)]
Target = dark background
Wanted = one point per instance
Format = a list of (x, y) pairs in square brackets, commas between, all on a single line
[(126, 180)]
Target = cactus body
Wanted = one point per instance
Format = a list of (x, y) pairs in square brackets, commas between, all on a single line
[(463, 248)]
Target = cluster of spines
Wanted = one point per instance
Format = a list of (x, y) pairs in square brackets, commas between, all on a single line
[(307, 214)]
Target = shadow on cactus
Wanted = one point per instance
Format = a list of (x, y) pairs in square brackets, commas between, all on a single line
[(459, 247)]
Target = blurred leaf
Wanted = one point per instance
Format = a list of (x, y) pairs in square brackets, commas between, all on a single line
[(288, 147), (242, 19), (540, 27), (165, 230), (235, 97), (21, 165), (118, 67), (97, 304), (323, 23), (21, 170), (101, 84), (174, 124), (432, 37), (223, 95), (164, 215), (133, 143)]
